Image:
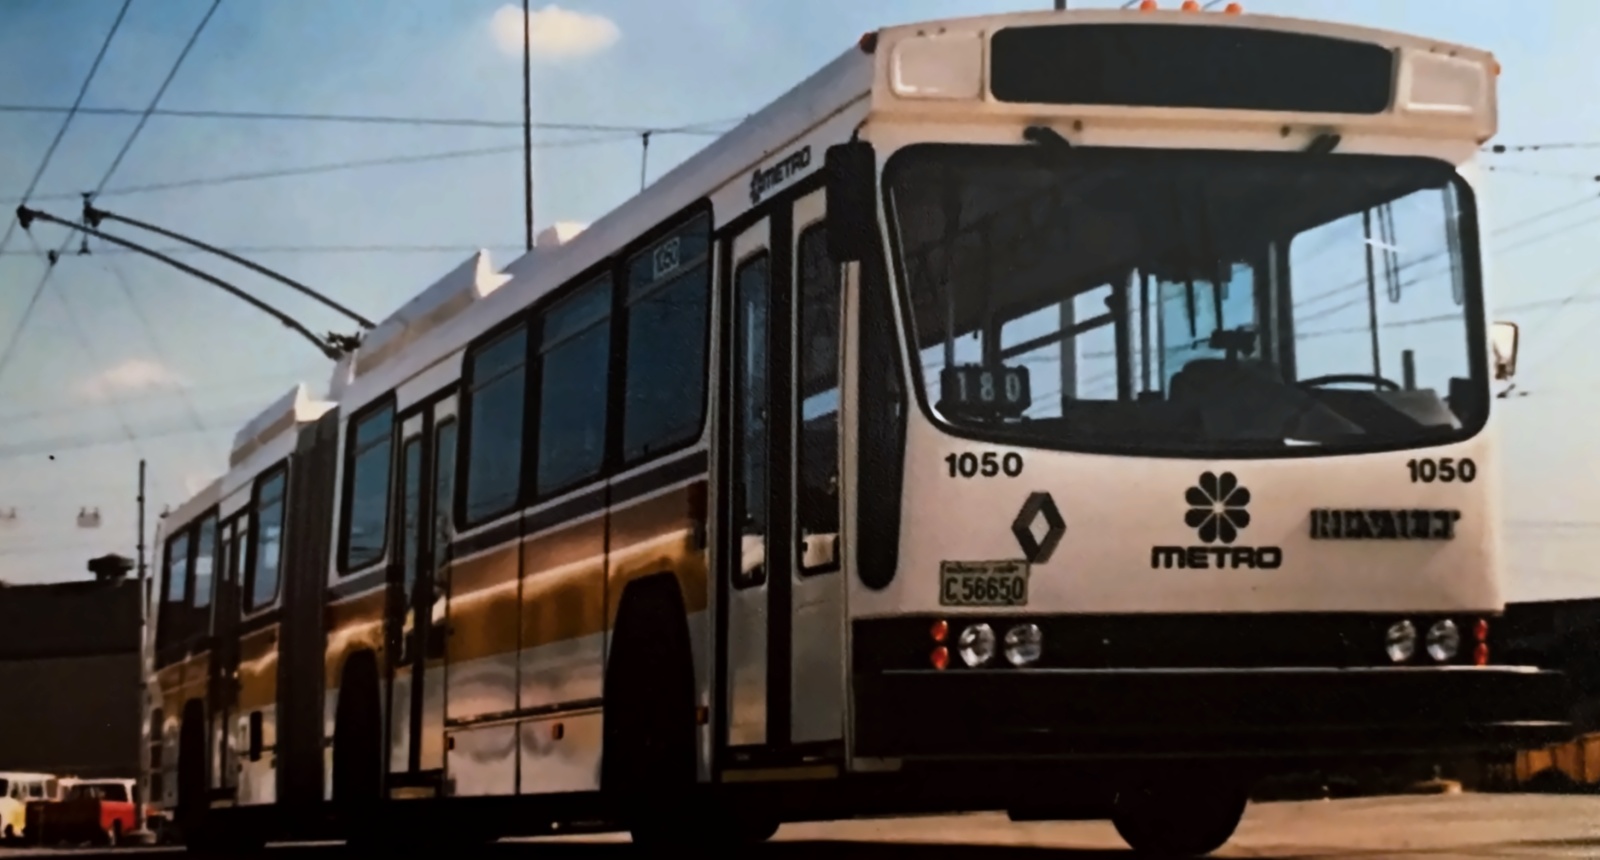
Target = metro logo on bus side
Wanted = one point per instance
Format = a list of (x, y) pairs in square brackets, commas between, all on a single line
[(1218, 512), (763, 181)]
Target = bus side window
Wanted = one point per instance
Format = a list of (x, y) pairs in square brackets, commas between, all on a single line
[(818, 502)]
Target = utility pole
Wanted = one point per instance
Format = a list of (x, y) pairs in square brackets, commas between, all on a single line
[(141, 793), (527, 119)]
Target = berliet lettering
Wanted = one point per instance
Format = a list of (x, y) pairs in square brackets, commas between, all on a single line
[(763, 181), (1218, 511)]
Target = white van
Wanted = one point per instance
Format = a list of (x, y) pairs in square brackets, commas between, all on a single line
[(16, 789)]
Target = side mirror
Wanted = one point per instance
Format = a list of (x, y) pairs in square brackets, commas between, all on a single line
[(852, 201), (1503, 342)]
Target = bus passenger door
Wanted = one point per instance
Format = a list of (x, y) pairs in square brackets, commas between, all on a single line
[(817, 692), (228, 732), (414, 622), (750, 571)]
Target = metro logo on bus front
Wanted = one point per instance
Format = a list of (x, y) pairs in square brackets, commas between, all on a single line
[(1218, 511)]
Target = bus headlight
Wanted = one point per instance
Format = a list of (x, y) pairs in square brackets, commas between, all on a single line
[(1444, 640), (1024, 644), (1401, 641), (976, 645)]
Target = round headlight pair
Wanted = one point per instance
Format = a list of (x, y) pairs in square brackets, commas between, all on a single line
[(1024, 644), (1442, 642)]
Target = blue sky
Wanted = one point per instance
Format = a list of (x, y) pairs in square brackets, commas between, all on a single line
[(98, 382)]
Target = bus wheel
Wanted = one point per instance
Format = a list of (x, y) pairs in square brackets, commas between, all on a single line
[(193, 804), (1179, 817), (358, 751), (649, 752)]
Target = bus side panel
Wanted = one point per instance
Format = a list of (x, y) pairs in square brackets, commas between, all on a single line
[(257, 711), (173, 693), (562, 652), (303, 640), (481, 645), (657, 528)]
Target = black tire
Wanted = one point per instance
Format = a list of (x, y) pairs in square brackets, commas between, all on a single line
[(193, 801), (648, 764), (358, 751), (1179, 818)]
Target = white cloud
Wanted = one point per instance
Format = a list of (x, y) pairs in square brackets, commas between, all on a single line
[(553, 32), (194, 482), (135, 374)]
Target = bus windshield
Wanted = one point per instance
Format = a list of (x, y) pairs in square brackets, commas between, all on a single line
[(1185, 303)]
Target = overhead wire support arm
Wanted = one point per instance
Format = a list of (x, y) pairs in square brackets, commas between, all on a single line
[(26, 217), (93, 216)]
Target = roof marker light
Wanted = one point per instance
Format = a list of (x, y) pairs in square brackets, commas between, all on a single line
[(1147, 6), (868, 42), (1232, 9), (1191, 5)]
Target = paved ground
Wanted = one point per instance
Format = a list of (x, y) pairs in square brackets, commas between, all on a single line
[(1446, 827)]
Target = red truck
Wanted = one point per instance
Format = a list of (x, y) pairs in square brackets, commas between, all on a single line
[(99, 811)]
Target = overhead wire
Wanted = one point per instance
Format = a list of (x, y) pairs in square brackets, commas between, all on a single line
[(9, 352), (699, 128), (71, 112), (121, 277), (87, 345), (327, 167)]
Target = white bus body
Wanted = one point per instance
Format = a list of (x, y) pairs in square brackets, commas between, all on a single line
[(839, 528)]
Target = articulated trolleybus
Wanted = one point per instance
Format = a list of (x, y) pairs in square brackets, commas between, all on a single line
[(1039, 412)]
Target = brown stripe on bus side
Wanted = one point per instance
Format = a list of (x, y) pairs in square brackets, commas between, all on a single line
[(660, 535), (563, 594), (258, 669), (482, 619), (354, 625)]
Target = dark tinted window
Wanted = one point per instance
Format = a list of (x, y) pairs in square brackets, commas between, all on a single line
[(752, 404), (498, 376), (204, 561), (575, 355), (178, 568), (269, 542), (669, 289), (444, 489), (818, 510), (369, 489), (410, 508), (1187, 66)]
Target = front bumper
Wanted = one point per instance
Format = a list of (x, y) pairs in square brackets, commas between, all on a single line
[(1298, 713)]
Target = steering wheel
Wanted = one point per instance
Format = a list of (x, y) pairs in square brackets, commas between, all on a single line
[(1335, 378)]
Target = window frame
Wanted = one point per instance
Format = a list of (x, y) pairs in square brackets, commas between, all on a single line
[(463, 417), (603, 276), (213, 516), (175, 613), (764, 256), (247, 582), (678, 225), (614, 267), (348, 482), (819, 226), (447, 507)]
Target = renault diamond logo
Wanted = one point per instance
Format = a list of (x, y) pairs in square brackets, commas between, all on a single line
[(1037, 550), (1217, 507)]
